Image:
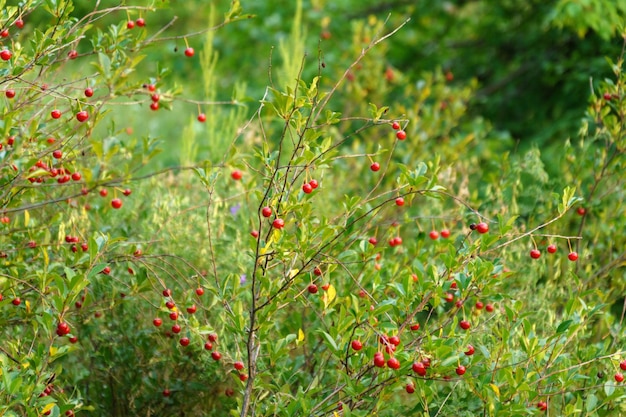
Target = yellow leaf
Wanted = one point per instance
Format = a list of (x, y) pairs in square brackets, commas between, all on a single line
[(27, 306), (53, 351), (495, 389), (300, 335), (293, 272), (329, 296), (47, 408), (26, 218)]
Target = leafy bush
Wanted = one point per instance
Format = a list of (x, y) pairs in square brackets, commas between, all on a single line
[(353, 243)]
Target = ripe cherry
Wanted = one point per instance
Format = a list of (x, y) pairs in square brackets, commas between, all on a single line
[(394, 340), (19, 23), (254, 233), (174, 315), (542, 405), (314, 184), (581, 211), (419, 368), (379, 360), (415, 327), (199, 291), (278, 223), (460, 370), (410, 388), (82, 116), (5, 54), (619, 377), (445, 233), (157, 322), (393, 363), (130, 24), (202, 117), (213, 337), (63, 328), (489, 308), (4, 33), (55, 114), (357, 345), (191, 309), (551, 248), (216, 355), (307, 188), (573, 256), (237, 175), (208, 346), (166, 392), (401, 134), (167, 292), (607, 96), (399, 201), (622, 365), (372, 240), (482, 228), (184, 341), (479, 305), (266, 211), (10, 93), (73, 54), (470, 350), (170, 304), (140, 22), (116, 203), (375, 166), (317, 271), (189, 52), (238, 365), (16, 301), (57, 154), (434, 235), (464, 324), (326, 286), (535, 254), (449, 297), (395, 126), (176, 328), (106, 270), (312, 288)]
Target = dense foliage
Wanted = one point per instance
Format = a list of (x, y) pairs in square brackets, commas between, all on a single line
[(195, 223)]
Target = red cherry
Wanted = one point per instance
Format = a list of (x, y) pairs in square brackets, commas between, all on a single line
[(357, 345), (213, 337), (184, 341), (4, 33), (208, 346), (379, 360), (237, 175), (535, 254), (16, 301), (393, 363), (307, 188), (10, 93), (130, 24), (278, 223), (154, 106), (312, 288), (116, 203), (106, 270), (57, 154), (266, 211), (19, 23), (55, 114), (399, 201), (482, 228), (199, 291), (243, 377), (415, 327), (479, 305), (157, 322), (372, 240), (460, 370), (619, 377), (375, 166), (76, 176), (140, 22), (176, 328), (317, 271), (489, 308), (63, 329), (5, 54), (191, 309), (326, 286), (202, 117), (470, 350), (314, 184), (155, 98), (607, 96), (449, 297), (551, 248), (581, 211), (573, 256), (434, 235), (464, 324), (394, 340), (10, 140), (542, 405), (254, 233), (189, 52), (419, 368), (216, 356), (151, 87), (401, 134), (82, 116), (73, 54), (622, 365), (410, 388), (445, 233), (174, 315), (170, 304), (167, 292), (395, 126), (166, 392), (238, 365)]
